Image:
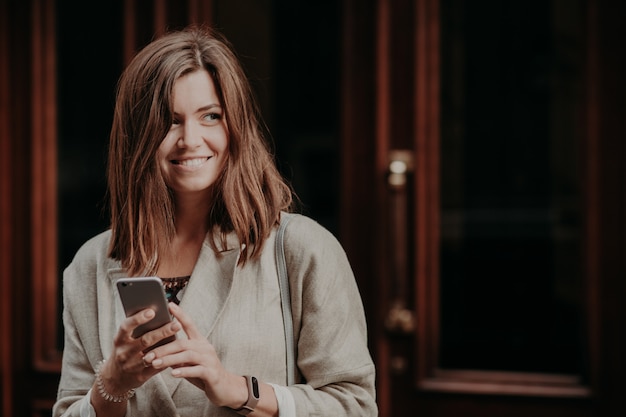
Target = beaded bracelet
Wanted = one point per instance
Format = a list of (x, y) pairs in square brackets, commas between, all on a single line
[(103, 392)]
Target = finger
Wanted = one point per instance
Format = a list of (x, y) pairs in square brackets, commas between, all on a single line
[(160, 336), (178, 359), (188, 326), (128, 325), (146, 364), (184, 352), (132, 322)]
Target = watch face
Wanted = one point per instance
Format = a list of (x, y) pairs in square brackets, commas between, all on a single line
[(255, 387), (253, 396)]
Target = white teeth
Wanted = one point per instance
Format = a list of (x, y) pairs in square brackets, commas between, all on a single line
[(192, 162)]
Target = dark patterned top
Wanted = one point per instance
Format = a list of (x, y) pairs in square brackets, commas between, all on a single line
[(173, 286)]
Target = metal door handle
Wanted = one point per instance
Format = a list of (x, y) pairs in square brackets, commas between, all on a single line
[(400, 319)]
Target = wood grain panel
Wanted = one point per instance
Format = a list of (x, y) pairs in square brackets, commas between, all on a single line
[(46, 356), (6, 213)]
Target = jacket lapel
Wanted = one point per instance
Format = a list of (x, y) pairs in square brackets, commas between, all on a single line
[(162, 405), (203, 300), (206, 294)]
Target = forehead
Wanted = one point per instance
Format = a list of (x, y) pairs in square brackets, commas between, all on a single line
[(194, 86)]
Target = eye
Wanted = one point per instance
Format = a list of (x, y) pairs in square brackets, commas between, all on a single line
[(211, 117), (175, 121)]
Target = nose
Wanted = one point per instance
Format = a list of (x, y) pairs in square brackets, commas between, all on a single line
[(191, 136)]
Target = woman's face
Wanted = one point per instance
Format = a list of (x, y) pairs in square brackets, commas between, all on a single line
[(194, 151)]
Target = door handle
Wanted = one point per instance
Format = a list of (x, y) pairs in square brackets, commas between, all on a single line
[(399, 319)]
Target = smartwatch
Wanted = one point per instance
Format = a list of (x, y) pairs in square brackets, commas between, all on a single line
[(253, 396)]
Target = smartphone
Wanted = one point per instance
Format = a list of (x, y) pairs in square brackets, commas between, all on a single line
[(140, 293)]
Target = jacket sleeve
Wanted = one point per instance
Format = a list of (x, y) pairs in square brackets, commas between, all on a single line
[(82, 347), (77, 374), (338, 374)]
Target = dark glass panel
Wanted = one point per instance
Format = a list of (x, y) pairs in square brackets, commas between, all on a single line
[(511, 276)]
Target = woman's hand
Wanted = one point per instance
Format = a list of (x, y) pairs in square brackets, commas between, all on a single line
[(126, 368), (195, 359)]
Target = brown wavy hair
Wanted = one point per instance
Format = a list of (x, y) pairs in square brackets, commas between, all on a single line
[(250, 193)]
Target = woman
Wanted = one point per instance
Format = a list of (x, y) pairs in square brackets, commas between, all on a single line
[(196, 199)]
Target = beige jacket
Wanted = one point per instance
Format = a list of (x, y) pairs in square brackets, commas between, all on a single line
[(239, 310)]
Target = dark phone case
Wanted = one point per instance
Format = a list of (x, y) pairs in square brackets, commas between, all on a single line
[(138, 294)]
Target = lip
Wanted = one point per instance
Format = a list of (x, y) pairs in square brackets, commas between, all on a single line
[(190, 162)]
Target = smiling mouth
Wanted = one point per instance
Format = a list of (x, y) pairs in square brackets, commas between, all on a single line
[(190, 162)]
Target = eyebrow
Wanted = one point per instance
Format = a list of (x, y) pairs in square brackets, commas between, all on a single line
[(203, 108), (208, 107)]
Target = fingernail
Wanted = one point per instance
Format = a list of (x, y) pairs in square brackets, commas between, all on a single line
[(149, 356), (149, 313)]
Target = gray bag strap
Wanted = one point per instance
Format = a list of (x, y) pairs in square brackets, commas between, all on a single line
[(285, 296)]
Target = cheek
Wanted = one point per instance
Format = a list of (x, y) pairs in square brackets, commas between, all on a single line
[(221, 143), (225, 148), (167, 145), (161, 156), (162, 160), (226, 135), (225, 151)]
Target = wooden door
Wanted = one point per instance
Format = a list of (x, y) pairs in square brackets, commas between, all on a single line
[(483, 204)]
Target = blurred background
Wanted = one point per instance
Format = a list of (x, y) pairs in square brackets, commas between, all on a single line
[(470, 157)]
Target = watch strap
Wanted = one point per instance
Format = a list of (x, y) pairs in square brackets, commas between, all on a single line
[(253, 396)]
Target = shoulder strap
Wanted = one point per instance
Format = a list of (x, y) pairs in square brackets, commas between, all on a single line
[(285, 296)]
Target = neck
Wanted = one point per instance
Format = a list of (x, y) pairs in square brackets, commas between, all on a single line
[(191, 218), (180, 257)]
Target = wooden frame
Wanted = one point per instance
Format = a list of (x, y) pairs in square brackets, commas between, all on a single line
[(427, 68), (46, 355), (428, 376), (6, 212)]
